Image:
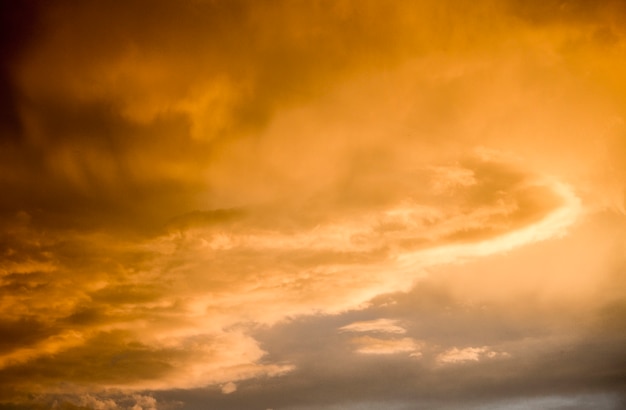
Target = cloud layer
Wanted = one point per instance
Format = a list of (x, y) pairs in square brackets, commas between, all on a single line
[(437, 188)]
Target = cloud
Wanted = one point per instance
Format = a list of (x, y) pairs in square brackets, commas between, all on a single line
[(195, 172), (229, 387), (376, 326), (467, 354), (162, 308), (372, 345), (92, 402), (98, 401)]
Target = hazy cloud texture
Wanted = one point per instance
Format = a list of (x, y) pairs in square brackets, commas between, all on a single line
[(312, 204)]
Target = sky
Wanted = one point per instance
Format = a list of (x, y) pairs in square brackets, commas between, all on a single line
[(312, 205)]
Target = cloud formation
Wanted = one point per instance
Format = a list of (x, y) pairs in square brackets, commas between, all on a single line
[(467, 354), (377, 326), (184, 181)]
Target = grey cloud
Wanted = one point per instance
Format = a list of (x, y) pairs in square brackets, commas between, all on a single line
[(555, 358)]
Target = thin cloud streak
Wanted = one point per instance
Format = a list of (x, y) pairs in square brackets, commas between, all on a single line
[(377, 326)]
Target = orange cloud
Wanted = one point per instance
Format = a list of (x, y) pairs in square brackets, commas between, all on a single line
[(468, 354), (377, 326), (194, 172), (372, 345)]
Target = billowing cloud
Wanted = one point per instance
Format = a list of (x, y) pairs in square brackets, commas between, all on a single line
[(184, 182)]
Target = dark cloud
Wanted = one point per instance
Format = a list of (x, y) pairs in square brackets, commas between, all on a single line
[(22, 332), (19, 21)]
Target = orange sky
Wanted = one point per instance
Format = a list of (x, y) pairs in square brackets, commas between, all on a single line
[(312, 204)]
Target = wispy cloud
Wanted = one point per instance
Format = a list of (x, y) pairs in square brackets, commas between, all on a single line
[(468, 354), (373, 345), (376, 325)]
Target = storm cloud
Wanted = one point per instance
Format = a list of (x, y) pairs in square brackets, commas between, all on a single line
[(312, 204)]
